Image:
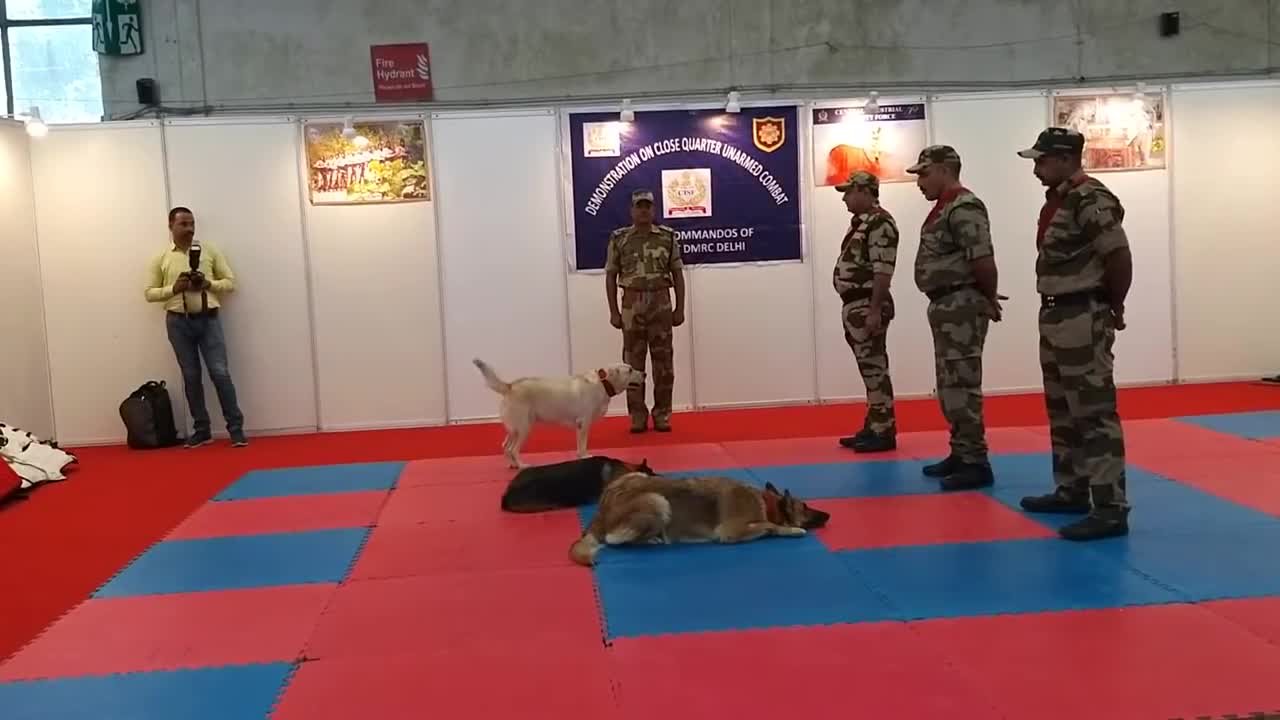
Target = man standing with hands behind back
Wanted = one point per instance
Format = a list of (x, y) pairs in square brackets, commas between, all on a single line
[(191, 318), (956, 270), (645, 261), (862, 275), (1083, 272)]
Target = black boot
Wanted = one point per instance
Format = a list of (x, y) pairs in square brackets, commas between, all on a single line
[(969, 476), (1062, 500), (1104, 522), (873, 443), (943, 468), (852, 441)]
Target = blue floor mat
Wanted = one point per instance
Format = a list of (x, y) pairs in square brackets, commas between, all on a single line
[(228, 563), (242, 691), (846, 480), (1252, 425), (996, 578), (1159, 504), (1210, 562), (313, 480), (773, 582)]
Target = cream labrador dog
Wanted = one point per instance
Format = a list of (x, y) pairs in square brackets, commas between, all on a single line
[(576, 401)]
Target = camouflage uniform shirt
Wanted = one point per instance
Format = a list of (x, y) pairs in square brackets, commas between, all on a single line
[(956, 232), (644, 260), (870, 248), (1080, 224)]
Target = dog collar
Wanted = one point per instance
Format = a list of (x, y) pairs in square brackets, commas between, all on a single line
[(609, 389)]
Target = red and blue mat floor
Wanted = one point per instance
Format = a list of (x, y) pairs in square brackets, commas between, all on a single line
[(398, 589)]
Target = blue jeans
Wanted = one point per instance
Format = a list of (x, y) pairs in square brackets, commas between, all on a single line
[(192, 337)]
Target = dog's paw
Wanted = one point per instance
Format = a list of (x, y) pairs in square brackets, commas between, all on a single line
[(792, 532)]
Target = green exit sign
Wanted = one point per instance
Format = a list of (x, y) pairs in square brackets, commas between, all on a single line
[(117, 27)]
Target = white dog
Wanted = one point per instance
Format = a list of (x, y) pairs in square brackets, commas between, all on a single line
[(575, 401)]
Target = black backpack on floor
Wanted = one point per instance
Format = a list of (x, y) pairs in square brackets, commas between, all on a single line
[(148, 417)]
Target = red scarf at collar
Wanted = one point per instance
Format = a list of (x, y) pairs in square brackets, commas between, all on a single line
[(943, 199), (609, 389), (1053, 199)]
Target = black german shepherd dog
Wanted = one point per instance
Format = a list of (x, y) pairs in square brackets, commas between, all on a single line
[(567, 484)]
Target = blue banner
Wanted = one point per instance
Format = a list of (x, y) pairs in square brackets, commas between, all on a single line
[(728, 183)]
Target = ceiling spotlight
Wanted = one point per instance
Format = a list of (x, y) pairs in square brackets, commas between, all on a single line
[(35, 126), (349, 128), (873, 103), (627, 114), (732, 105)]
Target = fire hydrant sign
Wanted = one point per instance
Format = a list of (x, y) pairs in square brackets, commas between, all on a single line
[(401, 73)]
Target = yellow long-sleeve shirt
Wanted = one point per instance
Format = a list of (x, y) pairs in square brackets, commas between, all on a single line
[(164, 269)]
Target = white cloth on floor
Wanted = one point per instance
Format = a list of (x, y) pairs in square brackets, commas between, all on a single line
[(33, 459)]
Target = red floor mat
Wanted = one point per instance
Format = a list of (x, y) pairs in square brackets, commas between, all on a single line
[(172, 632), (836, 672), (898, 520), (542, 682), (1159, 661)]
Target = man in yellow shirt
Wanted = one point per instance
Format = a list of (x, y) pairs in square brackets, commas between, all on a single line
[(191, 303)]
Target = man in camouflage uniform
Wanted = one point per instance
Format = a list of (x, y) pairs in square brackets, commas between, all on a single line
[(956, 269), (1083, 272), (861, 278), (645, 261)]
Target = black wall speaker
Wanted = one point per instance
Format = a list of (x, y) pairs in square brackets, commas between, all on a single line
[(148, 95), (1170, 24)]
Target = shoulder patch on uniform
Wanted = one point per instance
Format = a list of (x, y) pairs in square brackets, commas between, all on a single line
[(666, 229)]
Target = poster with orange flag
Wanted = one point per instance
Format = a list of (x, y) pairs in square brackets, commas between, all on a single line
[(886, 142)]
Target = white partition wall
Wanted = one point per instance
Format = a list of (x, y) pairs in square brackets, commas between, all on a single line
[(240, 180), (503, 268), (376, 307), (101, 211), (1144, 349), (369, 315), (910, 353), (25, 395), (1228, 250)]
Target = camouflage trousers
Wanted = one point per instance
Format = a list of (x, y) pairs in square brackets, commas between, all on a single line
[(872, 355), (959, 325), (1077, 361), (646, 329)]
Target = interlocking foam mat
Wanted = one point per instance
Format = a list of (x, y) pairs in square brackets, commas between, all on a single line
[(401, 590)]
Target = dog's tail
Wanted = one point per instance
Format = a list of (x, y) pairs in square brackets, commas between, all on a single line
[(491, 378), (584, 549)]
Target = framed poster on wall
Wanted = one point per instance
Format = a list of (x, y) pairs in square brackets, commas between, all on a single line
[(371, 162), (1121, 131), (885, 143), (728, 183)]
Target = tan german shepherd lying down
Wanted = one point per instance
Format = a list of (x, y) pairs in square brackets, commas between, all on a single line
[(651, 509)]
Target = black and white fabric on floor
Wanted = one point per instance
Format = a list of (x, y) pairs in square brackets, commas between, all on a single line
[(33, 460)]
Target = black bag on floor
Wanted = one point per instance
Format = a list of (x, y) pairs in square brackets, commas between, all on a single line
[(148, 417)]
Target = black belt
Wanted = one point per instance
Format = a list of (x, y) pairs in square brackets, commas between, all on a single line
[(937, 294), (1072, 298), (853, 295), (210, 313)]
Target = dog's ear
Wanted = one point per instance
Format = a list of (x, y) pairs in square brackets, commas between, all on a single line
[(786, 494), (768, 486)]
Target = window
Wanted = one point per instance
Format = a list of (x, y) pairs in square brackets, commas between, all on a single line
[(48, 60)]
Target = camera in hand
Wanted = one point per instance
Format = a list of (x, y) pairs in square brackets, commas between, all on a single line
[(195, 278)]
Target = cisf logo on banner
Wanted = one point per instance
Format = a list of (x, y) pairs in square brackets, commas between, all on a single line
[(401, 73), (687, 193)]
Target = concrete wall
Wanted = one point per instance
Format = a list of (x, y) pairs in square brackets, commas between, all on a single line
[(262, 54)]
